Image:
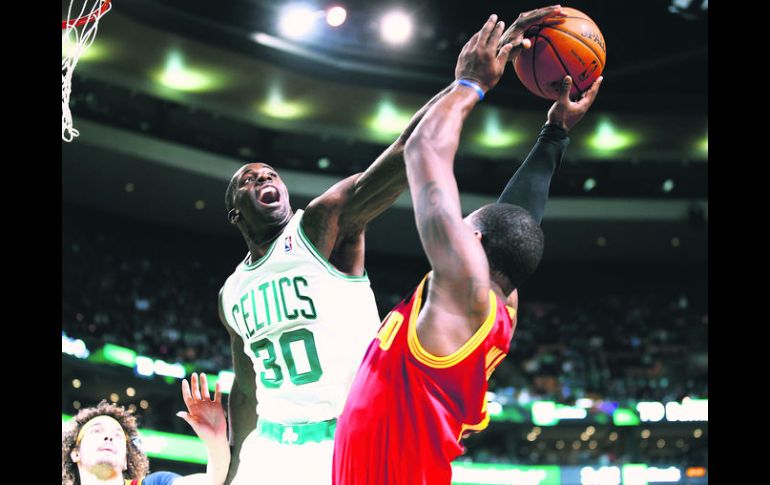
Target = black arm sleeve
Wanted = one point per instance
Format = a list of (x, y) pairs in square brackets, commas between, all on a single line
[(529, 186)]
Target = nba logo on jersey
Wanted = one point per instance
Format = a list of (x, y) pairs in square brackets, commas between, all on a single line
[(287, 244)]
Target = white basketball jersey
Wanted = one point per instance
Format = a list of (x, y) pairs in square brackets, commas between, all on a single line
[(305, 327)]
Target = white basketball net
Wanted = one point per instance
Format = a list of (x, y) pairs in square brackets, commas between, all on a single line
[(76, 39)]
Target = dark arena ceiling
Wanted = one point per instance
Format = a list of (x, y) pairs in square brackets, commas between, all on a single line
[(175, 94)]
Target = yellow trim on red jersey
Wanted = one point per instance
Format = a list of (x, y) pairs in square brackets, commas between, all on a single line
[(481, 425), (511, 313), (491, 368), (458, 355), (389, 329), (493, 353)]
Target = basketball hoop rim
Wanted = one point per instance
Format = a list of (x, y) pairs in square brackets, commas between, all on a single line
[(106, 5)]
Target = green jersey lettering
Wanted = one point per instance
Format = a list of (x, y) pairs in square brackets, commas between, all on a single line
[(263, 287), (294, 315), (277, 305), (312, 315)]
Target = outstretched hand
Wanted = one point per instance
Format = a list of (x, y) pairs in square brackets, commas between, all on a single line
[(514, 36), (204, 415), (480, 61), (567, 113)]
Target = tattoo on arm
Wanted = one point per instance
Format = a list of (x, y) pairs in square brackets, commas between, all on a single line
[(435, 223), (434, 219)]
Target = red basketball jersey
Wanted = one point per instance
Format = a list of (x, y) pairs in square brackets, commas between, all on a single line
[(407, 410)]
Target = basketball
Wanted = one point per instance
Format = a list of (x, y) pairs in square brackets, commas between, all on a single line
[(572, 45)]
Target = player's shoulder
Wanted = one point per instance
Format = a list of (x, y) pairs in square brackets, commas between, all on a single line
[(225, 286), (333, 199), (323, 207), (234, 275), (221, 303), (513, 300)]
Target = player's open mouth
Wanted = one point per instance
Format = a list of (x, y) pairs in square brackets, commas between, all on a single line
[(269, 195)]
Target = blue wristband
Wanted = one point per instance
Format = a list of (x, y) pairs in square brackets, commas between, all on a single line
[(471, 84)]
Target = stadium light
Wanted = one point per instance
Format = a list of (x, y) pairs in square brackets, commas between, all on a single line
[(176, 75), (276, 106), (388, 120), (494, 136), (396, 28), (336, 16), (297, 21), (96, 52), (703, 145), (608, 138)]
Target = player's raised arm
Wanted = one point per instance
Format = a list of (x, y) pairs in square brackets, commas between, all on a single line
[(460, 282), (529, 186), (335, 221)]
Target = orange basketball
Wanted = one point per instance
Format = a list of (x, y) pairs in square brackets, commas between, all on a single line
[(571, 45)]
